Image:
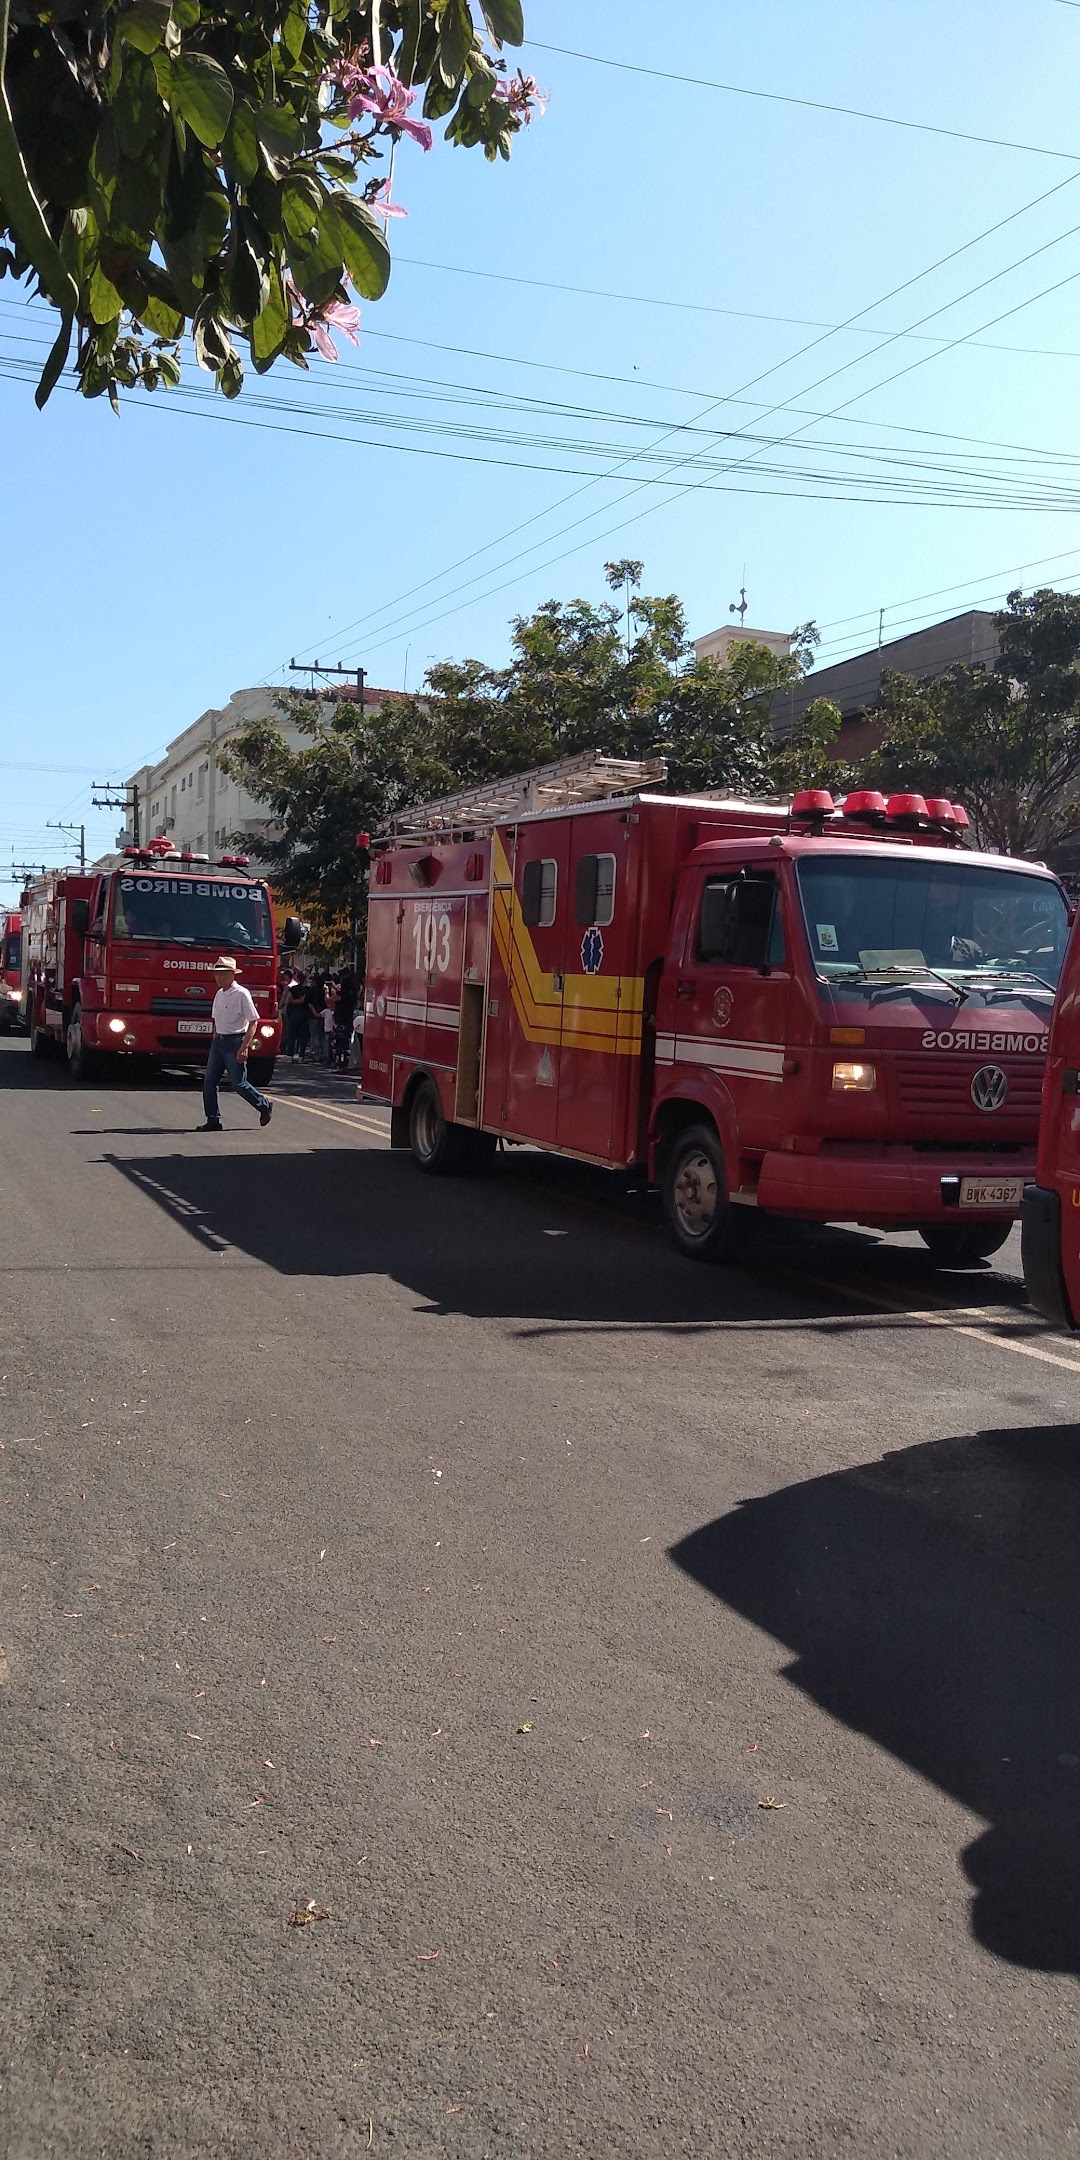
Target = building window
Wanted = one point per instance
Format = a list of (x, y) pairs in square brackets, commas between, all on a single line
[(201, 789), (594, 891), (539, 888)]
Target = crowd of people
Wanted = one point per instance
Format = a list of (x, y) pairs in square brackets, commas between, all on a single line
[(321, 1015)]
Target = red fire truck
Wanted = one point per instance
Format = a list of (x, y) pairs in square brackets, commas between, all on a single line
[(1052, 1204), (117, 963), (10, 971), (837, 1014)]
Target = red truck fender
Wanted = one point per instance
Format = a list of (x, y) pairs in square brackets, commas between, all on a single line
[(675, 1109)]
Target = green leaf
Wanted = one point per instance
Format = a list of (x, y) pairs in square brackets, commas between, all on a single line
[(105, 303), (363, 245), (455, 40), (240, 149), (302, 202), (137, 104), (317, 261), (163, 320), (231, 377), (504, 20), (200, 92), (186, 13), (213, 345), (169, 369), (54, 365), (280, 135), (144, 25), (439, 98), (270, 329), (294, 30)]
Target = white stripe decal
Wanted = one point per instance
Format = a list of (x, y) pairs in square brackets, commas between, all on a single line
[(749, 1061)]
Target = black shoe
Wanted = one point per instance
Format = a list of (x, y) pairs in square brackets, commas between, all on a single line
[(266, 1115), (210, 1128)]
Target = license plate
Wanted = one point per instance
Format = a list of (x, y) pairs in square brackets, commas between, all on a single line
[(987, 1192), (194, 1027)]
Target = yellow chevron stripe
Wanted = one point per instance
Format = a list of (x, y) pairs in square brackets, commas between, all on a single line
[(594, 1012)]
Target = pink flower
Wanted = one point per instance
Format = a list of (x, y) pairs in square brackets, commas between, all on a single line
[(522, 93), (382, 205), (319, 321), (379, 92)]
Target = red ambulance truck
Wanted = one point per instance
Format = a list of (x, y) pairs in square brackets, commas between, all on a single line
[(836, 1014), (10, 971), (118, 963), (1051, 1217)]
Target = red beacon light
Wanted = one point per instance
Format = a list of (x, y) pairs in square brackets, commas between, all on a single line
[(813, 803), (231, 862), (906, 810), (363, 840), (940, 811), (866, 803), (960, 818)]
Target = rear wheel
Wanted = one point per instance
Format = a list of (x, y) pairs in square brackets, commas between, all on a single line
[(962, 1245), (439, 1148), (41, 1043), (83, 1063), (694, 1189)]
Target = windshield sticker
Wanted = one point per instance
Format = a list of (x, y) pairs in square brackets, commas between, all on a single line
[(878, 959), (827, 938)]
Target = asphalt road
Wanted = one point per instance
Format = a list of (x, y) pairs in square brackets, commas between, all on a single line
[(475, 1685)]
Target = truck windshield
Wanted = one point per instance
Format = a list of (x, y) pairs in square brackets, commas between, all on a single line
[(889, 918), (192, 911)]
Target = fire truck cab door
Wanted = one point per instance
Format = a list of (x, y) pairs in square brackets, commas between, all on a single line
[(525, 1097), (731, 995)]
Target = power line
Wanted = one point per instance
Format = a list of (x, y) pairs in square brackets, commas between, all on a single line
[(540, 516), (779, 97)]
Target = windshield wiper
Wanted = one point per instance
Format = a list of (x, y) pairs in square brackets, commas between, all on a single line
[(997, 988), (907, 976)]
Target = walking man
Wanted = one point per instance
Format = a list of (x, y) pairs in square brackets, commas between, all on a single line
[(235, 1021)]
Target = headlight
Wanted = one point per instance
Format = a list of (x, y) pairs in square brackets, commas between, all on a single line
[(115, 1026), (858, 1077), (266, 1032)]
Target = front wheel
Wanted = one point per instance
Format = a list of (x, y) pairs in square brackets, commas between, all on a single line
[(439, 1148), (956, 1245), (260, 1071), (83, 1063), (694, 1190), (41, 1042)]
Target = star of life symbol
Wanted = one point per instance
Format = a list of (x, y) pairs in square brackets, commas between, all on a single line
[(592, 951)]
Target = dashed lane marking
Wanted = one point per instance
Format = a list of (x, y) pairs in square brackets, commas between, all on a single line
[(337, 1117)]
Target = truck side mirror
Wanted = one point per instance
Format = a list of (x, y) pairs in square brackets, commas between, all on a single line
[(293, 933), (80, 917)]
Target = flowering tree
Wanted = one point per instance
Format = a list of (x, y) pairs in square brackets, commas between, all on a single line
[(225, 166)]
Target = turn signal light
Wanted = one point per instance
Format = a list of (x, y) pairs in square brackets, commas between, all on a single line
[(852, 1038), (857, 1078)]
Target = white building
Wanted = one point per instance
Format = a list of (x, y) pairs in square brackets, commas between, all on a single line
[(186, 797), (717, 644)]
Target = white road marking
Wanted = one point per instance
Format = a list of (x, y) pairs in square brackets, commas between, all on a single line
[(337, 1117), (947, 1317)]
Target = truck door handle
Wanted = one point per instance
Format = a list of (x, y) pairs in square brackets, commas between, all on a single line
[(686, 988)]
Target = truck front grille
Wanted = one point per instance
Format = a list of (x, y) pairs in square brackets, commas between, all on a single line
[(939, 1085), (183, 1008)]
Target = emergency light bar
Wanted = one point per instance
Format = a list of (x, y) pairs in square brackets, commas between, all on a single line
[(233, 862), (815, 808)]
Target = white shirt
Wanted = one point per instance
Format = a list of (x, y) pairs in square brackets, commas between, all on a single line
[(234, 1010)]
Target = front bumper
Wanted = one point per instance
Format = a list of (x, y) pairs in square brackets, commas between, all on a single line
[(1044, 1276), (156, 1035), (889, 1189)]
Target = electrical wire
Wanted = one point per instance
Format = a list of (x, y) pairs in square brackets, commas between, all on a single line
[(779, 97)]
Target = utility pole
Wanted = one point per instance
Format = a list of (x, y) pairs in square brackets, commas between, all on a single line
[(117, 795), (55, 825), (880, 627), (318, 667), (21, 872)]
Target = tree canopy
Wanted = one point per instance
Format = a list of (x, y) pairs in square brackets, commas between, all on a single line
[(223, 166), (570, 685), (1004, 741)]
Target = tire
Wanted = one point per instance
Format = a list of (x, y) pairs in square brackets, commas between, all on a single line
[(261, 1071), (956, 1246), (693, 1186), (438, 1148), (42, 1044), (83, 1064)]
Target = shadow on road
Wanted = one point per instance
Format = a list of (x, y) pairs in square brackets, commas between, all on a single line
[(932, 1600), (541, 1239)]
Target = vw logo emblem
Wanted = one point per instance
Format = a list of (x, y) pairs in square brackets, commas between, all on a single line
[(989, 1088)]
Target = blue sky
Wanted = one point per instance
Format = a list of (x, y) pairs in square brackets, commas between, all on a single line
[(149, 566)]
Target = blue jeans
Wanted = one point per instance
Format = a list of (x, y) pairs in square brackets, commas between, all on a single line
[(223, 1059)]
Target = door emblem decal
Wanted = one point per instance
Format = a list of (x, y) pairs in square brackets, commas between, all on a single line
[(721, 1006), (592, 951)]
